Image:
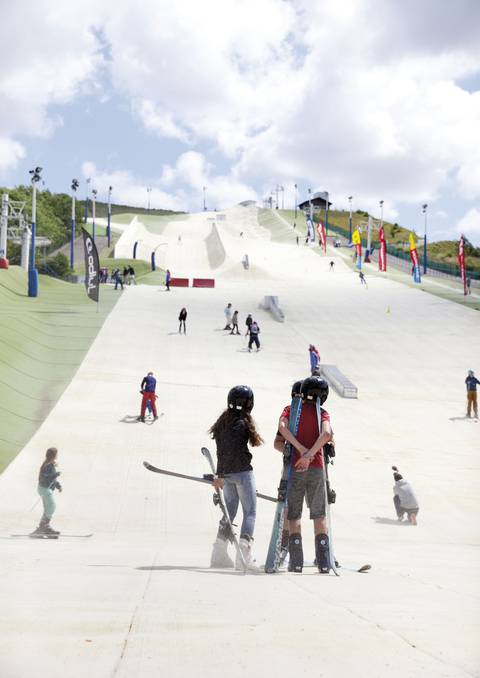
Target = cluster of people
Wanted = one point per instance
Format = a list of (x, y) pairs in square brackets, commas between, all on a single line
[(125, 277), (253, 328)]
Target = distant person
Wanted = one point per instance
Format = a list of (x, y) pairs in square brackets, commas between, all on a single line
[(131, 275), (168, 278), (235, 329), (298, 240), (179, 239), (314, 360), (126, 276), (363, 280), (471, 382), (404, 498), (253, 331), (332, 265), (182, 320), (468, 283), (248, 322), (147, 389), (117, 278), (241, 234), (47, 483), (228, 316)]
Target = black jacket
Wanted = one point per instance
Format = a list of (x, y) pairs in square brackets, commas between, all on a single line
[(232, 450)]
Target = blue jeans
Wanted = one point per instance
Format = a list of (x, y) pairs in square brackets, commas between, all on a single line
[(240, 487)]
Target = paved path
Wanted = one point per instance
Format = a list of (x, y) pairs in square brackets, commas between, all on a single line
[(138, 599)]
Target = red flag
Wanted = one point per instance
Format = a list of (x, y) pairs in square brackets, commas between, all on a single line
[(322, 236), (382, 254), (461, 262)]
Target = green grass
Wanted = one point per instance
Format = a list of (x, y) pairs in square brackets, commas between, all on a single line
[(43, 341)]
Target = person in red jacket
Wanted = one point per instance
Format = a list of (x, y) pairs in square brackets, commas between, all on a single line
[(307, 477), (147, 389)]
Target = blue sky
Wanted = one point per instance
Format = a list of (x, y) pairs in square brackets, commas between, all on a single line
[(378, 101)]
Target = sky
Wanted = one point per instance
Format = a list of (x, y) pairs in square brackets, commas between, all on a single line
[(375, 99)]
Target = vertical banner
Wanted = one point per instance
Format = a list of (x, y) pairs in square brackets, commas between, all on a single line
[(461, 262), (92, 267), (322, 236), (414, 259), (310, 231), (382, 252), (357, 243)]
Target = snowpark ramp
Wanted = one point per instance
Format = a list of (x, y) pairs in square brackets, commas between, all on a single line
[(270, 303), (339, 381)]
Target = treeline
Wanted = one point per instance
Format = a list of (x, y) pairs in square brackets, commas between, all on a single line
[(54, 215)]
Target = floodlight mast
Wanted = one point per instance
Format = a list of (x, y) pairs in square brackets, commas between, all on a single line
[(35, 177), (424, 210), (75, 185), (109, 213), (86, 200), (94, 194), (350, 220)]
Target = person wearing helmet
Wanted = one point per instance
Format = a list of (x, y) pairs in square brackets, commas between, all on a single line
[(232, 432), (307, 478), (471, 382)]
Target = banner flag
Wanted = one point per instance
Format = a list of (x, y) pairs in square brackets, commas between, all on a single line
[(382, 252), (310, 231), (357, 243), (92, 266), (461, 262), (322, 236), (414, 259)]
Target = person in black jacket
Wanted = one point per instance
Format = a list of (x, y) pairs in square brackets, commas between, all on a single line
[(47, 483), (232, 432), (182, 320)]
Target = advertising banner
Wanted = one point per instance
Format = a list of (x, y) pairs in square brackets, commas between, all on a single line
[(92, 266)]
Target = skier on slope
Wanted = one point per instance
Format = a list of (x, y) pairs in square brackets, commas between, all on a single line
[(404, 498), (232, 432), (47, 483), (307, 479), (314, 359), (147, 389)]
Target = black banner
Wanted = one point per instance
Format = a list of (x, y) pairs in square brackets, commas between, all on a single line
[(92, 266)]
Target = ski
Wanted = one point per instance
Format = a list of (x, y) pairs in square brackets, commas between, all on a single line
[(51, 536), (273, 560), (219, 500), (206, 479), (329, 496), (362, 569)]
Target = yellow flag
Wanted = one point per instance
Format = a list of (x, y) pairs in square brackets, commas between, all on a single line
[(356, 239), (413, 245)]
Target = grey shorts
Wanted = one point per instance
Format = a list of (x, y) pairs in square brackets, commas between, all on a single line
[(307, 484)]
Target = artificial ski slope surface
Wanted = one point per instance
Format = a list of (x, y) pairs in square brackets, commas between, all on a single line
[(138, 598)]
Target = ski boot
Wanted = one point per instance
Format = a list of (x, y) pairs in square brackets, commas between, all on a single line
[(44, 531), (245, 545), (322, 552), (49, 530), (220, 557), (142, 419), (296, 553)]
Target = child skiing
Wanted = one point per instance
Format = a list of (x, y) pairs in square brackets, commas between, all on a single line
[(232, 432), (404, 498), (307, 477), (253, 331), (147, 389), (314, 360), (182, 319), (47, 483)]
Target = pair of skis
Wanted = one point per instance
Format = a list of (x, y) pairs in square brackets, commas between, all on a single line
[(218, 498)]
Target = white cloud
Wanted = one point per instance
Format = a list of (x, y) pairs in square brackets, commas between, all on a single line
[(469, 225), (10, 153), (156, 120)]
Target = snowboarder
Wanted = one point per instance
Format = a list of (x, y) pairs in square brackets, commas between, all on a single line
[(147, 389), (253, 331), (471, 382), (314, 360), (47, 483), (228, 316), (232, 432), (182, 318), (404, 498), (168, 278), (307, 479), (235, 329)]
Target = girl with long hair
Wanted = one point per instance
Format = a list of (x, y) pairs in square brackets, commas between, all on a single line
[(47, 483)]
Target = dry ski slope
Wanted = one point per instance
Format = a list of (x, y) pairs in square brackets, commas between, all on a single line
[(138, 598)]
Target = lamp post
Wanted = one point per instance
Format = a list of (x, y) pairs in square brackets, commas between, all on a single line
[(109, 213), (295, 187), (35, 176), (282, 188), (310, 203), (94, 193), (326, 214), (350, 221), (86, 200), (204, 189), (149, 190), (424, 210), (381, 212), (75, 185)]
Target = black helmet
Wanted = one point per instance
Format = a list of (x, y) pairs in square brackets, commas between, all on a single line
[(296, 388), (313, 388), (240, 399)]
